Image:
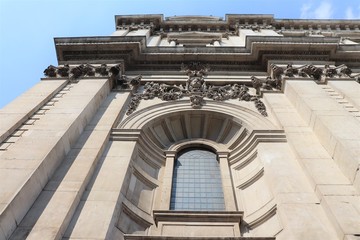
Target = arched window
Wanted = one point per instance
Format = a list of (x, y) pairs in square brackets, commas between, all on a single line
[(196, 184)]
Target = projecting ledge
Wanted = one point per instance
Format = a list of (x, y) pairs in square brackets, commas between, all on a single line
[(139, 237), (198, 216), (125, 134)]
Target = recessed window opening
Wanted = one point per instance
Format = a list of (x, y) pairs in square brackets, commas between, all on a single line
[(196, 182)]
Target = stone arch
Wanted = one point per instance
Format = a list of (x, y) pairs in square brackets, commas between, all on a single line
[(230, 130), (202, 143), (225, 123), (247, 116)]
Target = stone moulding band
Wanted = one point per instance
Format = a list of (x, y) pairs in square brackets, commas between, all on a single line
[(197, 216), (244, 150), (247, 117), (268, 211), (136, 214), (141, 237)]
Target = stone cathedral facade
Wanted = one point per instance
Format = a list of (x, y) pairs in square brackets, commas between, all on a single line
[(189, 127)]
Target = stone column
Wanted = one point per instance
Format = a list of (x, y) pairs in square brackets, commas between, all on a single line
[(167, 180), (51, 135), (229, 198), (98, 211)]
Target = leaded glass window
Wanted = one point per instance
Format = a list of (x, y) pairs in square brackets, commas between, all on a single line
[(196, 182)]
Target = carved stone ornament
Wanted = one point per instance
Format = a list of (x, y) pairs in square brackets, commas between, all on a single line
[(196, 89), (319, 74), (196, 101), (265, 84), (126, 82), (74, 73)]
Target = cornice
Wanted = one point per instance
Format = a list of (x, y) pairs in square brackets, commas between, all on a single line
[(199, 37), (231, 21), (257, 52)]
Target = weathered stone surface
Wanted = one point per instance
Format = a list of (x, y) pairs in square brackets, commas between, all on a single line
[(257, 91)]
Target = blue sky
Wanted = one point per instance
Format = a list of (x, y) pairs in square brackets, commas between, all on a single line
[(27, 27)]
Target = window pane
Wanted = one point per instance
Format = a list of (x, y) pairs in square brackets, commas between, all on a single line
[(197, 182)]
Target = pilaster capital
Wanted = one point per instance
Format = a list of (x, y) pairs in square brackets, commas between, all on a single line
[(170, 154), (223, 154)]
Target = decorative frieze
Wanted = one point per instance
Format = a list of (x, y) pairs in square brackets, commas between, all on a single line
[(196, 89), (255, 27), (134, 27), (74, 73), (318, 73)]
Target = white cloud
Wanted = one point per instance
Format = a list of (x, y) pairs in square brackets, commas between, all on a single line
[(349, 14), (305, 10), (323, 11)]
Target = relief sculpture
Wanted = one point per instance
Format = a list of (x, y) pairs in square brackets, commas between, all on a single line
[(196, 89), (318, 73), (74, 73)]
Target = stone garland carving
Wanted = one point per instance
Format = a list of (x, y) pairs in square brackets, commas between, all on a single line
[(74, 73), (277, 74), (197, 89), (310, 71)]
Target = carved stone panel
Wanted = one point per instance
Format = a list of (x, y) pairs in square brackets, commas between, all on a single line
[(198, 90)]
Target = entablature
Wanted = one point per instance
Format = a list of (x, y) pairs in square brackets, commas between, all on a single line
[(250, 40), (231, 21), (256, 52)]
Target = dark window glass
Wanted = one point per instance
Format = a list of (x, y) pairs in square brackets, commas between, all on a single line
[(196, 182)]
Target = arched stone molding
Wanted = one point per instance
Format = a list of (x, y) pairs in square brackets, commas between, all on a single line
[(232, 131), (244, 115), (236, 128), (204, 143)]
